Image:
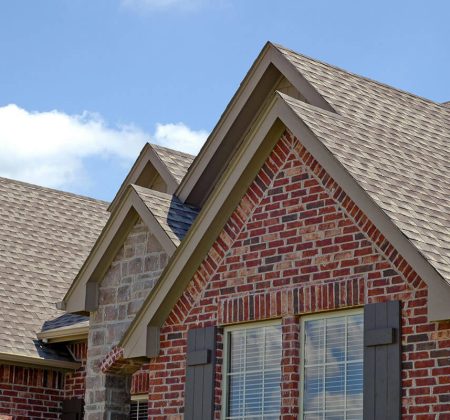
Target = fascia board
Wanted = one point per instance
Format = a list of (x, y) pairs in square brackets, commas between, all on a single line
[(64, 334), (21, 360)]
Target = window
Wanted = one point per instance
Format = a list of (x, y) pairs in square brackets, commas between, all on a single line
[(252, 372), (332, 366), (139, 407)]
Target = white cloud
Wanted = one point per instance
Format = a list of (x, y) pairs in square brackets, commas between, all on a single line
[(179, 137), (163, 5), (51, 148)]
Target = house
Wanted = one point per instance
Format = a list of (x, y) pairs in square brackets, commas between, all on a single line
[(299, 266)]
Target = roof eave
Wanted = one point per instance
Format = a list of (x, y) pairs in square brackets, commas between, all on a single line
[(21, 360), (64, 334)]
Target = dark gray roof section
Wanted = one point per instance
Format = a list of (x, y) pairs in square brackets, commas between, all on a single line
[(402, 165), (45, 236), (174, 217), (177, 162)]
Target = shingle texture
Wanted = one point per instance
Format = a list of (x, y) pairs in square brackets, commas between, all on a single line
[(174, 217), (396, 146), (177, 162), (45, 236)]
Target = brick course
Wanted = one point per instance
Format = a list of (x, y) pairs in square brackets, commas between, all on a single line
[(297, 244), (30, 393)]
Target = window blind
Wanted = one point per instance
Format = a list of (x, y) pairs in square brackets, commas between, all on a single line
[(254, 373), (333, 367)]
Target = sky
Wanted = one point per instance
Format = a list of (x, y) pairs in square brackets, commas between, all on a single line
[(85, 83)]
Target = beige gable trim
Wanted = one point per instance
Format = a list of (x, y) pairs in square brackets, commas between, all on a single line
[(233, 183), (131, 206), (259, 83), (149, 166)]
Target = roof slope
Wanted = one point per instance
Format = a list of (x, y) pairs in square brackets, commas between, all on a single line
[(45, 236), (174, 217), (177, 162), (395, 145)]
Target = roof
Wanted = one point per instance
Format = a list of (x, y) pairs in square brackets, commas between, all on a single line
[(174, 217), (392, 145), (177, 162), (395, 144), (45, 236)]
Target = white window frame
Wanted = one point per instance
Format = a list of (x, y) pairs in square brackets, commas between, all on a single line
[(321, 315), (226, 354)]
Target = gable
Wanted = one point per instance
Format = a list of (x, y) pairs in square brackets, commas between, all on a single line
[(295, 244)]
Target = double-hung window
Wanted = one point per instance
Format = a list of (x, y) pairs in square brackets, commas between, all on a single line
[(332, 366), (252, 371)]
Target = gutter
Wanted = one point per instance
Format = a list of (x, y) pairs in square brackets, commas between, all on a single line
[(63, 334), (18, 359)]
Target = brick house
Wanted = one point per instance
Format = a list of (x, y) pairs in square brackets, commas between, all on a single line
[(298, 267)]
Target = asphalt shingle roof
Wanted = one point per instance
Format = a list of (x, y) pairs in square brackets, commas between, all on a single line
[(177, 162), (45, 236), (396, 146), (174, 216)]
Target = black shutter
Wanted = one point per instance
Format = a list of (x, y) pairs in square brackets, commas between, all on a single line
[(382, 361), (72, 409), (200, 372)]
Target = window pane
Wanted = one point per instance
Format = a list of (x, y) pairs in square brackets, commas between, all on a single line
[(314, 342), (236, 395), (313, 388), (334, 387), (254, 373), (333, 367), (335, 340)]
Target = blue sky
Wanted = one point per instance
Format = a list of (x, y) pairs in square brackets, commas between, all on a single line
[(84, 83)]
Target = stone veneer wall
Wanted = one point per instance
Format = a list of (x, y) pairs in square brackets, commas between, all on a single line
[(132, 275)]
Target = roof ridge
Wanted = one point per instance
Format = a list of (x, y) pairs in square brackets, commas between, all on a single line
[(52, 190), (279, 46)]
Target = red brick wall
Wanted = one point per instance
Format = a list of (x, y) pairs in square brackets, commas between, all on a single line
[(35, 393), (30, 393), (297, 244), (75, 382)]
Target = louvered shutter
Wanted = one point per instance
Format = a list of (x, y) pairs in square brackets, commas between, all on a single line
[(72, 409), (382, 361), (200, 372)]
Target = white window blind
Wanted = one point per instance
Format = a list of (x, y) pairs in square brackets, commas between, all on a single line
[(333, 367), (253, 372), (139, 409)]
